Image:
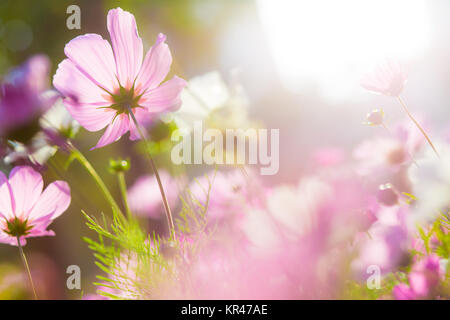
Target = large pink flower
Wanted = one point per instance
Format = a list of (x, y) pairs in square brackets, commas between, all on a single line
[(102, 84), (25, 209)]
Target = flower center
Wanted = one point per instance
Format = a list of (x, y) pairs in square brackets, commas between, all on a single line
[(124, 100), (396, 156), (17, 228)]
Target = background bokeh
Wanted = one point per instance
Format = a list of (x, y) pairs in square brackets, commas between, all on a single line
[(299, 64)]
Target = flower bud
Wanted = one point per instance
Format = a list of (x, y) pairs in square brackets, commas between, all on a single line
[(119, 165), (375, 117), (387, 195)]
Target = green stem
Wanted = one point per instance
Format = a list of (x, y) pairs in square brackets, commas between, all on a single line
[(158, 179), (123, 190), (25, 263), (403, 104), (87, 165)]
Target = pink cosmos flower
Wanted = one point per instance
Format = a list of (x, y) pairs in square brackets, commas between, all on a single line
[(388, 158), (102, 85), (393, 152), (387, 78), (25, 209), (22, 99), (144, 196)]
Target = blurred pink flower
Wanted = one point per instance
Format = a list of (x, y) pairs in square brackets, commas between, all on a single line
[(387, 159), (387, 245), (101, 84), (22, 100), (224, 193), (25, 209), (423, 279), (387, 78), (144, 196)]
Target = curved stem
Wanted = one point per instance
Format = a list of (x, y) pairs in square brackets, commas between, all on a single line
[(87, 165), (25, 263), (158, 179), (123, 190), (417, 124)]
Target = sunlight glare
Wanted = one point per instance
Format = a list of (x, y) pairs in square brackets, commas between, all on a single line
[(330, 42)]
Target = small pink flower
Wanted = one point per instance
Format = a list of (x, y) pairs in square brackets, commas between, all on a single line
[(102, 84), (25, 209), (144, 196), (387, 78)]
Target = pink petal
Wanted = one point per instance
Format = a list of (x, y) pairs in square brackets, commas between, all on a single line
[(39, 227), (26, 187), (371, 85), (114, 131), (94, 57), (91, 117), (74, 85), (5, 198), (166, 97), (127, 45), (6, 238), (38, 232), (144, 118), (156, 64), (53, 201)]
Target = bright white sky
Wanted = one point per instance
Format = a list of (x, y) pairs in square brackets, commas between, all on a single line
[(331, 42)]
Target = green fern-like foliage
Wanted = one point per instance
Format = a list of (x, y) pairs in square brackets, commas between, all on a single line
[(137, 265)]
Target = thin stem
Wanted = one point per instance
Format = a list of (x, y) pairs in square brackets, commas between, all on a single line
[(123, 190), (87, 165), (417, 124), (158, 179), (25, 263)]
